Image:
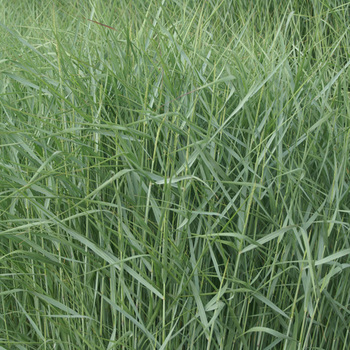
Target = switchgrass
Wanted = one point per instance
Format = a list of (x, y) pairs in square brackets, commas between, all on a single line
[(176, 180)]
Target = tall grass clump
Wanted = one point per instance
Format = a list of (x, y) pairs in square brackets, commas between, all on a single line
[(174, 174)]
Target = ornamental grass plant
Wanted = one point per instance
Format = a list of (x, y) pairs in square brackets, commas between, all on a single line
[(174, 174)]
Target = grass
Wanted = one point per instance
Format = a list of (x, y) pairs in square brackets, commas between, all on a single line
[(176, 180)]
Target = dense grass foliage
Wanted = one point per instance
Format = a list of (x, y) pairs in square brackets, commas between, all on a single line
[(178, 179)]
